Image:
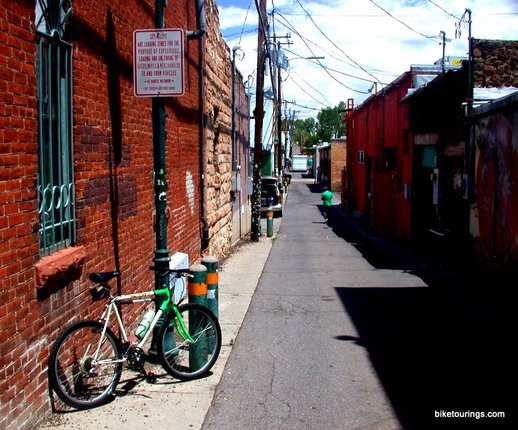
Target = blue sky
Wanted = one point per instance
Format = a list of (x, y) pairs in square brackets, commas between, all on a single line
[(366, 43), (240, 3)]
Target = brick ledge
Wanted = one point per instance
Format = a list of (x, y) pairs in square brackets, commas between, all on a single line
[(57, 270)]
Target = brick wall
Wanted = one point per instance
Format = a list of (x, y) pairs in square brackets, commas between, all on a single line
[(20, 343), (113, 165), (338, 162)]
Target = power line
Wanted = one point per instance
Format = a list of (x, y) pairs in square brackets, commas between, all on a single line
[(332, 54), (244, 22), (322, 65), (302, 106), (334, 44), (313, 88), (330, 68), (401, 22), (444, 10)]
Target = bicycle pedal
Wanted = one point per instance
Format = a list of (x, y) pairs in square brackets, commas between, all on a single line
[(150, 377)]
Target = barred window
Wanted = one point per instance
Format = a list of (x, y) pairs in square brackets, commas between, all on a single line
[(361, 157), (56, 193)]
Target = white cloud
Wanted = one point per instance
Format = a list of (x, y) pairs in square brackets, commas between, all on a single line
[(364, 34)]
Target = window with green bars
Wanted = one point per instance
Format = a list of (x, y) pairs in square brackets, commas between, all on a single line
[(56, 194)]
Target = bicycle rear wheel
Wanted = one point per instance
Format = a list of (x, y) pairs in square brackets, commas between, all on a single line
[(181, 358), (75, 375)]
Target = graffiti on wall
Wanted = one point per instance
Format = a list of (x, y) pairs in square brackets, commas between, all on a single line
[(496, 186)]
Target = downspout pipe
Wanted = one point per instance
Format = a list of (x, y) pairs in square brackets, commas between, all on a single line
[(201, 124), (198, 34), (201, 21), (233, 93)]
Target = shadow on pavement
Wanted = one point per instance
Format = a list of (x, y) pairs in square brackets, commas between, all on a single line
[(441, 348), (432, 353)]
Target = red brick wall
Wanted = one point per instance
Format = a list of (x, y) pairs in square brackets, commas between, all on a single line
[(113, 162), (20, 321)]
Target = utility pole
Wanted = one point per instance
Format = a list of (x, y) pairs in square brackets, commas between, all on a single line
[(161, 260), (279, 114), (278, 108), (443, 37), (258, 115)]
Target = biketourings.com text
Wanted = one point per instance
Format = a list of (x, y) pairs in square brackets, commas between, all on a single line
[(469, 414)]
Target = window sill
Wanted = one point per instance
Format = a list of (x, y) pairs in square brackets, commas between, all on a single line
[(57, 270)]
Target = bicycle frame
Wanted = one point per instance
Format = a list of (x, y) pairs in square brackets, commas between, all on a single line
[(87, 359), (149, 296)]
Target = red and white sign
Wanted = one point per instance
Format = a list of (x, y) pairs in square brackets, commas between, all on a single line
[(158, 61)]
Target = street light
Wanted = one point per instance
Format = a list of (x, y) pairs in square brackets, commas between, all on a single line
[(308, 58)]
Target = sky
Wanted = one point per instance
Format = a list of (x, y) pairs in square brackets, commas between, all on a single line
[(366, 44)]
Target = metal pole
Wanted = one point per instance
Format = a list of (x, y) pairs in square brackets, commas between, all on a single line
[(161, 259), (258, 115), (279, 116)]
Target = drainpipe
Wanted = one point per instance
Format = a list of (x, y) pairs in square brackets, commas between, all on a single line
[(201, 23), (233, 93)]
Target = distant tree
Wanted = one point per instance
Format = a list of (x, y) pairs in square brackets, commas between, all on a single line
[(305, 133), (331, 122)]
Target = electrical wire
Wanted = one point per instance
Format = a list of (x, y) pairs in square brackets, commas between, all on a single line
[(334, 70), (310, 86), (401, 22), (244, 22), (324, 67), (329, 53), (302, 106), (444, 10), (334, 44)]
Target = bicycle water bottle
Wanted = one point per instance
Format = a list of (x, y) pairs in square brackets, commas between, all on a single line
[(142, 328)]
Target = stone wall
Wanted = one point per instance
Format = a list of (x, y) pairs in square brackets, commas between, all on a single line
[(495, 63), (218, 145)]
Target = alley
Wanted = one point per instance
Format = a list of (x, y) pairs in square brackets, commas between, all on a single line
[(341, 336)]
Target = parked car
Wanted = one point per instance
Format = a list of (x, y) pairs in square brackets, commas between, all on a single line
[(270, 189)]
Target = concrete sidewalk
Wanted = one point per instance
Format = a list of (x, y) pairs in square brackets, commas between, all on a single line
[(168, 402)]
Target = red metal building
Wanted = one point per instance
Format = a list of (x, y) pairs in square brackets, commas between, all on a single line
[(379, 165)]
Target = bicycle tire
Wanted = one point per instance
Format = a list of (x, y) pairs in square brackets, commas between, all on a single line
[(71, 374), (185, 360)]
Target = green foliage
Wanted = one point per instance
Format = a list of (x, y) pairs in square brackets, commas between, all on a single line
[(329, 122), (305, 132)]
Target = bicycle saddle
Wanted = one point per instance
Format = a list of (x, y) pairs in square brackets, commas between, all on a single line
[(103, 277)]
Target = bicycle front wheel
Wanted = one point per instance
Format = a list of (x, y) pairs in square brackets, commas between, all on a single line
[(82, 377), (189, 356)]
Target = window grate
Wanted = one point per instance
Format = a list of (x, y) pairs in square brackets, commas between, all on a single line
[(56, 190)]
